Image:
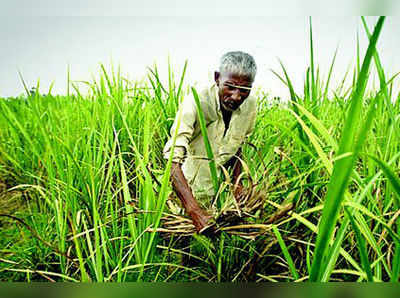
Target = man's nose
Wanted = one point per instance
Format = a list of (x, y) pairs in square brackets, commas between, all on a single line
[(236, 95)]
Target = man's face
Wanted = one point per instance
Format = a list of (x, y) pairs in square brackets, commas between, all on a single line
[(233, 89)]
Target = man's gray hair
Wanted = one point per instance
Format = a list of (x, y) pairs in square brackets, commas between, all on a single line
[(239, 63)]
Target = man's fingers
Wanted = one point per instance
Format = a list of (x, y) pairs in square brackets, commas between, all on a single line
[(208, 227), (204, 229), (209, 230)]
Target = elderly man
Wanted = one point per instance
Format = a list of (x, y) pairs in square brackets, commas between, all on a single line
[(230, 115)]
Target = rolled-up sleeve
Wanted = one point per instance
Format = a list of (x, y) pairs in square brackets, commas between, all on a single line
[(185, 131)]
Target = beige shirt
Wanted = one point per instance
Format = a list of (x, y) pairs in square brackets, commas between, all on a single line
[(189, 147)]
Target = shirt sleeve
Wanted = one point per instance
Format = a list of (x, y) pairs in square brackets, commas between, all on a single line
[(187, 112)]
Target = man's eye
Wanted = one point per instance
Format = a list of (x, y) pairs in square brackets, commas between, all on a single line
[(230, 88)]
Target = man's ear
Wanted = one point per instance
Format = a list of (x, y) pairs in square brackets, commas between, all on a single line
[(216, 77)]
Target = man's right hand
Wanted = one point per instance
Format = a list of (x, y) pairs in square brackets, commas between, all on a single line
[(201, 220)]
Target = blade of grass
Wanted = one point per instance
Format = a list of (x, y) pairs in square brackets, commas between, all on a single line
[(313, 85), (285, 252), (207, 145), (329, 75), (362, 248), (23, 83)]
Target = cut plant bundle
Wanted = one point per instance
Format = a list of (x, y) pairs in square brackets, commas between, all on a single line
[(243, 219)]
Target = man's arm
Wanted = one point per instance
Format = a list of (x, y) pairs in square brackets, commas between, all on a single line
[(200, 218)]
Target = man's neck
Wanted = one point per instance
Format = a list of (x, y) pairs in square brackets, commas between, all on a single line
[(226, 115)]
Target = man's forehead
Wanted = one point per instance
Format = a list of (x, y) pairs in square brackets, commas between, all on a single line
[(237, 86), (236, 79)]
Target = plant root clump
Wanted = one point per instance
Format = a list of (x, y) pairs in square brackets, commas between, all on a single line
[(244, 217)]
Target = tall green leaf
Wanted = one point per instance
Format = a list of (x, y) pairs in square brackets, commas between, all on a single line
[(343, 167)]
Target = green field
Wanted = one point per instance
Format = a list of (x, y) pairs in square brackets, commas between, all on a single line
[(84, 186)]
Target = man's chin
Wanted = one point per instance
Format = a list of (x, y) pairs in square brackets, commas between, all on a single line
[(228, 108)]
